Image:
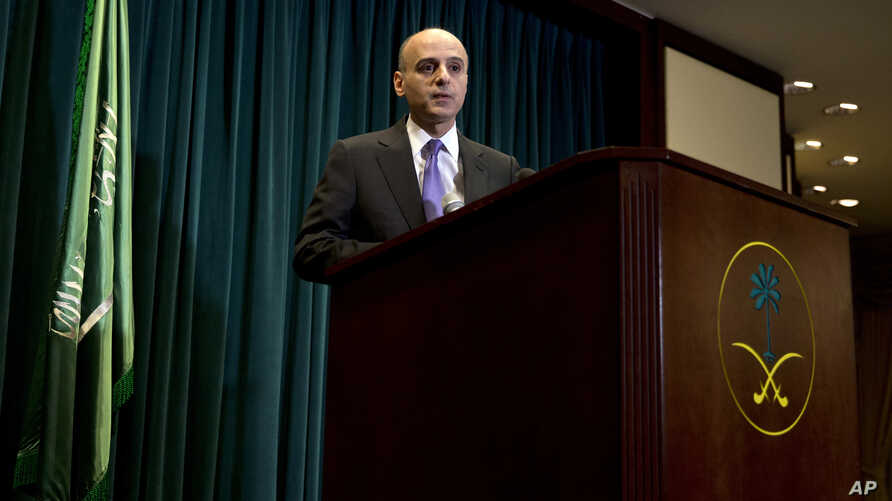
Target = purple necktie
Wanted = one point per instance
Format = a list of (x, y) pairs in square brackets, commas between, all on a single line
[(432, 190)]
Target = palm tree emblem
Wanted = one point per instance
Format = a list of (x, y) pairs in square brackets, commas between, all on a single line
[(763, 293)]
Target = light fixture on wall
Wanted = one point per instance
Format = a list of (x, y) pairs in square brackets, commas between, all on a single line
[(841, 109)]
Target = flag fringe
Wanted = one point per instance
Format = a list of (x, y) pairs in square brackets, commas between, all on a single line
[(99, 492), (26, 468), (81, 87), (26, 462), (122, 390)]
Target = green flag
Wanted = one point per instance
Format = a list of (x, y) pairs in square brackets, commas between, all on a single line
[(83, 370)]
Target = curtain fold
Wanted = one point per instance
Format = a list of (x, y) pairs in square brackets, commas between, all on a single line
[(872, 284), (17, 33), (874, 353), (235, 105), (40, 69)]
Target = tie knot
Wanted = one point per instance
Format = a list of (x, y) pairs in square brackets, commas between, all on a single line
[(433, 147)]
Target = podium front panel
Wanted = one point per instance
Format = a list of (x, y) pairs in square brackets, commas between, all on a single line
[(760, 397)]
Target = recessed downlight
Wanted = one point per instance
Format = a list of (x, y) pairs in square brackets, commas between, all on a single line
[(819, 188), (798, 87), (846, 160), (811, 144), (841, 109), (845, 202)]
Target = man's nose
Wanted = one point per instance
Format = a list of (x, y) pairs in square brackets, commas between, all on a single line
[(441, 77)]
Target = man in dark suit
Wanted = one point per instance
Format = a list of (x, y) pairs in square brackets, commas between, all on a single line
[(382, 184)]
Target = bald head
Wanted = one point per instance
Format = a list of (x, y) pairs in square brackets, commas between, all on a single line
[(424, 35), (433, 77)]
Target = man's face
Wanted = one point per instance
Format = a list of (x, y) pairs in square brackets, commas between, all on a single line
[(435, 77)]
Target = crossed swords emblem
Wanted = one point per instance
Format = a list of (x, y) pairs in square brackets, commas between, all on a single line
[(759, 397)]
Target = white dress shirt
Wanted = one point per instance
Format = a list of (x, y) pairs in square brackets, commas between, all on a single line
[(448, 160)]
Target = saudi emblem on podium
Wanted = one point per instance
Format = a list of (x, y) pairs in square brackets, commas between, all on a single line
[(766, 338)]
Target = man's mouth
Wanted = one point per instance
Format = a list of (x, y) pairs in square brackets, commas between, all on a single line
[(442, 96)]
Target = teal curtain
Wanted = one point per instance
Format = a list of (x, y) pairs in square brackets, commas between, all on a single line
[(235, 105), (40, 46)]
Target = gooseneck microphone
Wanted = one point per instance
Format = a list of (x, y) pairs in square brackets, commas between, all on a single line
[(524, 173), (451, 202)]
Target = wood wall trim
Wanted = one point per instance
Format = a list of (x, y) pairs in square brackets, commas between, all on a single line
[(627, 61), (651, 130), (667, 35), (653, 123), (714, 55), (658, 81), (654, 35), (615, 12)]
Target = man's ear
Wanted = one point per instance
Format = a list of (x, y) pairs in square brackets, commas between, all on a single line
[(398, 84)]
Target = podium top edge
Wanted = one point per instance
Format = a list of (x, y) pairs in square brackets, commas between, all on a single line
[(684, 162), (610, 155)]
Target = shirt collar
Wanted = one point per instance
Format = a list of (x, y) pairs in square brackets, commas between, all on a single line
[(418, 137)]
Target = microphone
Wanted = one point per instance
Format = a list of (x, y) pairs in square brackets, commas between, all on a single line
[(524, 173), (451, 203)]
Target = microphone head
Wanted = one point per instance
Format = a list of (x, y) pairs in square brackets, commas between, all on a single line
[(524, 173), (451, 202)]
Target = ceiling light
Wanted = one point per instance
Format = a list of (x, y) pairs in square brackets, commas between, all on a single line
[(811, 144), (819, 188), (841, 109), (845, 202), (846, 160), (798, 87)]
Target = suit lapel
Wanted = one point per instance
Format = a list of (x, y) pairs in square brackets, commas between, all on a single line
[(474, 170), (395, 160)]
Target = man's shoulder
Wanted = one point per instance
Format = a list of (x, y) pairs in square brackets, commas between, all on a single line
[(474, 148), (378, 137), (368, 137)]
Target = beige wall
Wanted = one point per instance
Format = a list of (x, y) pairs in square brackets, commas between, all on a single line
[(722, 120)]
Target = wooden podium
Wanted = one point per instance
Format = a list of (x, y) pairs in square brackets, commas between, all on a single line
[(628, 324)]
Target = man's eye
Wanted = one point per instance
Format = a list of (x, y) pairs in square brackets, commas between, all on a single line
[(427, 68), (455, 68)]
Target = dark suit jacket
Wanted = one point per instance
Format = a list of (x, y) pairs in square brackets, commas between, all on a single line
[(369, 193)]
